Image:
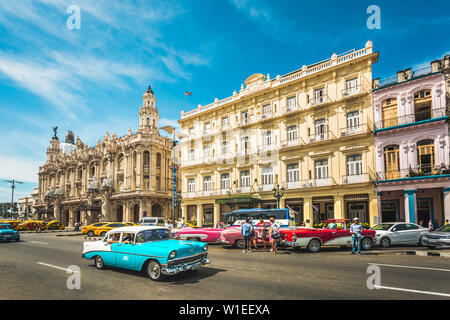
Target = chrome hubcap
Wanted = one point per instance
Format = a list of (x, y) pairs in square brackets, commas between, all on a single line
[(315, 246), (154, 270)]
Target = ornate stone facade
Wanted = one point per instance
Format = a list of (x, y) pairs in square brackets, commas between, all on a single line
[(118, 179)]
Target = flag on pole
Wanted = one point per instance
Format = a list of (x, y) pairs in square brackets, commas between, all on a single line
[(188, 93)]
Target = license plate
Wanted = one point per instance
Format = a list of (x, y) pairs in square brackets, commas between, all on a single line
[(432, 240)]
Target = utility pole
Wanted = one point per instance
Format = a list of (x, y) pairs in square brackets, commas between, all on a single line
[(13, 186)]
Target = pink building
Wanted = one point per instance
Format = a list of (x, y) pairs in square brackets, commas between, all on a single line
[(412, 146)]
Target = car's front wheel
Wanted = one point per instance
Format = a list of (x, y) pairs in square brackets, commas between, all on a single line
[(385, 242), (239, 244), (314, 246), (90, 234), (103, 234), (154, 270), (99, 264), (366, 244)]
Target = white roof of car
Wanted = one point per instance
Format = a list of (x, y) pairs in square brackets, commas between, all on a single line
[(135, 228)]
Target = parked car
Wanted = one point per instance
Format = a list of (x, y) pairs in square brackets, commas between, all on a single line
[(151, 250), (233, 236), (55, 225), (152, 221), (102, 230), (89, 229), (13, 223), (437, 238), (335, 233), (7, 232), (198, 234), (394, 233), (31, 225)]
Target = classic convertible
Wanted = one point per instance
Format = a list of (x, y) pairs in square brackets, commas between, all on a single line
[(335, 233), (146, 248)]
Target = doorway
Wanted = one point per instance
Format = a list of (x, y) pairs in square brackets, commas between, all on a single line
[(425, 210)]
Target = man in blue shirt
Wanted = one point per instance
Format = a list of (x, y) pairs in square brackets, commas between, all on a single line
[(356, 230), (246, 231)]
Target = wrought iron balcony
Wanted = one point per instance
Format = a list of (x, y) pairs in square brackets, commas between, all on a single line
[(351, 91), (356, 178), (414, 172), (411, 118), (318, 100)]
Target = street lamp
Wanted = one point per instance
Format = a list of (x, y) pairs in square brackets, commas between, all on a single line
[(178, 203), (278, 194), (13, 186), (171, 130)]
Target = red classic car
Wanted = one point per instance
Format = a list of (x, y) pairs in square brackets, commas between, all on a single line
[(233, 236), (335, 233), (199, 234)]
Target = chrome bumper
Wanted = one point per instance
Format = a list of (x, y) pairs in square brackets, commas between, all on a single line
[(169, 271), (436, 242), (223, 241)]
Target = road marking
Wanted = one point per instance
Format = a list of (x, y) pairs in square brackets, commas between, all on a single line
[(39, 242), (409, 267), (56, 267), (414, 291)]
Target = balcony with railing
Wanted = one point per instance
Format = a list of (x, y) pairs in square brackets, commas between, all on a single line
[(315, 101), (350, 91), (354, 130), (265, 116), (243, 189), (356, 178), (309, 183), (324, 136), (267, 147), (416, 172), (244, 121), (298, 141), (417, 117), (291, 108)]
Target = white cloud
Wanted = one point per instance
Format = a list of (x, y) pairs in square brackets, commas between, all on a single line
[(19, 169)]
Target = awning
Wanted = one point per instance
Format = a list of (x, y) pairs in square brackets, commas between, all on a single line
[(238, 199)]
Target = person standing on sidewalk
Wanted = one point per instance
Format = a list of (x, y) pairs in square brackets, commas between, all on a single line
[(356, 230), (246, 231), (274, 234)]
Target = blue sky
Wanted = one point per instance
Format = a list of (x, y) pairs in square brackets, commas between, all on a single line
[(92, 80)]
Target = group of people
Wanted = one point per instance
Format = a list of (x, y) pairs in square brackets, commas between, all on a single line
[(249, 234)]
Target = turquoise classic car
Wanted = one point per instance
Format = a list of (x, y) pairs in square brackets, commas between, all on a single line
[(7, 232), (146, 248)]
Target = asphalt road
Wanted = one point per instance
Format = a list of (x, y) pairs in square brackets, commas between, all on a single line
[(34, 268)]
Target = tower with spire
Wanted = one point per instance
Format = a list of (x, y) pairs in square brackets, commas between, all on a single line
[(148, 113)]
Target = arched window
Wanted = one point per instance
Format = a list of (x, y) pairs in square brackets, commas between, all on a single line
[(392, 162), (422, 105), (92, 171), (389, 113), (120, 162), (425, 155)]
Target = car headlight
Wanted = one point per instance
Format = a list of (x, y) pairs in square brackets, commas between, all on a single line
[(205, 248), (172, 254), (294, 237), (378, 235)]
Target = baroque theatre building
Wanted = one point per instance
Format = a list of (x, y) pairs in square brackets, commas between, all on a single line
[(118, 179)]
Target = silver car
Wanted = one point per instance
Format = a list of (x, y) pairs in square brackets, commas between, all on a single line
[(438, 238), (393, 233)]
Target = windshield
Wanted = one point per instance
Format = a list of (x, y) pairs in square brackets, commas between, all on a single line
[(153, 235), (5, 226), (444, 228), (383, 226)]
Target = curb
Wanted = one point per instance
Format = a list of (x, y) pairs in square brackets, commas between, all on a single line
[(93, 238), (429, 254), (69, 235)]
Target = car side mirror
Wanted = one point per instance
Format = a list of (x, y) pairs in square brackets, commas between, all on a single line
[(394, 229)]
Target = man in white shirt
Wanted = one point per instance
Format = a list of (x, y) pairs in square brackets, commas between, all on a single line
[(356, 230)]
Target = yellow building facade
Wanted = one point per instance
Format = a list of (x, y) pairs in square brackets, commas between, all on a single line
[(309, 133)]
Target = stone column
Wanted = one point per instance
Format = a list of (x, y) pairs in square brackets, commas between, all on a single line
[(446, 204), (216, 213), (184, 213), (410, 206), (138, 169), (72, 217), (106, 208), (339, 207), (308, 211), (380, 213), (374, 211), (199, 215), (57, 211), (282, 203)]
